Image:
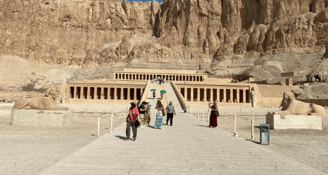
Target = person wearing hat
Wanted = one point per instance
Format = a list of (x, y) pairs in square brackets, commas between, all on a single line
[(131, 120), (147, 114), (142, 110)]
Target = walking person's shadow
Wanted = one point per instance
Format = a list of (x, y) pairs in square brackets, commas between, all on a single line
[(121, 137)]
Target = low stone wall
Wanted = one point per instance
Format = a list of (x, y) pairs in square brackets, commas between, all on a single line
[(271, 95), (321, 102), (181, 99), (145, 93), (294, 122), (41, 118)]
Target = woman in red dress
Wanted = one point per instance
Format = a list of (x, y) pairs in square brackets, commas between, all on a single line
[(214, 114)]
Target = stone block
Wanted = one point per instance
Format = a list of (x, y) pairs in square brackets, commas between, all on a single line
[(287, 74), (294, 122), (41, 118)]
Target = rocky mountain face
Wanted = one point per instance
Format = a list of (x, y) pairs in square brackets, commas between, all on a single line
[(75, 33)]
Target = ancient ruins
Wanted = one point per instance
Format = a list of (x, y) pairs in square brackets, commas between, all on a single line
[(69, 70)]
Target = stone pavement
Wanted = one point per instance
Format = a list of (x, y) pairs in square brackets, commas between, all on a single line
[(187, 147)]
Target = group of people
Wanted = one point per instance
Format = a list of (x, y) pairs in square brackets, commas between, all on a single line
[(142, 114), (154, 94), (160, 81)]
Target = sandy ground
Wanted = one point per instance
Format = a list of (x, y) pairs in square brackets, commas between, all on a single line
[(306, 146), (28, 150)]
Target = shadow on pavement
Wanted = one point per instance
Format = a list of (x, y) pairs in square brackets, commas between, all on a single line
[(121, 137), (205, 126)]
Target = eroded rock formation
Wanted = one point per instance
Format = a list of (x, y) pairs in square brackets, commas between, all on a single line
[(100, 33)]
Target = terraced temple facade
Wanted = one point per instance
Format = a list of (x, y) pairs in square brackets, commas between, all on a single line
[(192, 88), (168, 75), (105, 92)]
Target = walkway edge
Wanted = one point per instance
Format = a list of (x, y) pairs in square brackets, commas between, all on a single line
[(74, 153), (284, 156)]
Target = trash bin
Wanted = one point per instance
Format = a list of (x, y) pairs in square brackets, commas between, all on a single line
[(264, 134), (185, 109)]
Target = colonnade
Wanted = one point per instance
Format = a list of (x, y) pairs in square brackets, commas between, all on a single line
[(168, 77), (105, 93), (232, 95)]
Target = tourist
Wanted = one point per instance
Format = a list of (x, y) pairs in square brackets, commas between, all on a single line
[(154, 95), (161, 95), (170, 112), (131, 121), (147, 114), (159, 115), (142, 110), (214, 114)]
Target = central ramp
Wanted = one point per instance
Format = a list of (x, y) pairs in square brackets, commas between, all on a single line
[(171, 96), (188, 147)]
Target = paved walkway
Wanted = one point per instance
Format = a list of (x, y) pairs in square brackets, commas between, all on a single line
[(188, 147)]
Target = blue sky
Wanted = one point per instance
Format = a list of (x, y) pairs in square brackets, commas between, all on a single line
[(147, 0)]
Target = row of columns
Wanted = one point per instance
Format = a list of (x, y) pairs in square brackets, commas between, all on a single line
[(74, 94), (244, 98), (168, 77)]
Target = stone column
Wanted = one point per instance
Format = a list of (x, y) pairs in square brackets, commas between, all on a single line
[(211, 94), (128, 94), (135, 94), (108, 93), (238, 94), (218, 95), (205, 94), (141, 91), (198, 94), (192, 94), (88, 93), (115, 93), (224, 95), (244, 95), (81, 93), (95, 93), (102, 96), (231, 95), (122, 90), (75, 93)]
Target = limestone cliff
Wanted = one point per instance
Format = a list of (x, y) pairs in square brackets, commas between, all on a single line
[(100, 33)]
